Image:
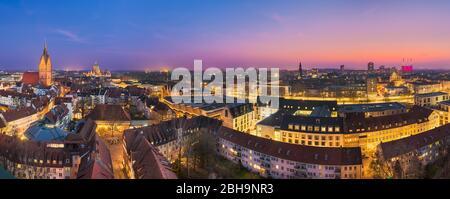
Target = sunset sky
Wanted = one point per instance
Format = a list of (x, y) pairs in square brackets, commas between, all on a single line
[(149, 34)]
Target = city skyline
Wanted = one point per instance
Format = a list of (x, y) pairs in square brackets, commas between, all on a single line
[(148, 35)]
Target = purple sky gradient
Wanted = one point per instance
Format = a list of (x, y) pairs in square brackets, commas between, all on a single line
[(150, 34)]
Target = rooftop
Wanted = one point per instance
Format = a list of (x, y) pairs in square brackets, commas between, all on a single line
[(294, 152), (148, 163), (98, 165), (445, 102), (416, 114), (166, 131), (411, 143), (370, 107), (434, 94), (41, 132), (109, 112)]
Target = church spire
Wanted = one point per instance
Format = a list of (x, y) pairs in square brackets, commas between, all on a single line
[(45, 47), (45, 67)]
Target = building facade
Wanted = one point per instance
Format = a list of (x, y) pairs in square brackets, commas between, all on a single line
[(45, 69), (430, 99), (279, 160), (362, 132), (407, 157)]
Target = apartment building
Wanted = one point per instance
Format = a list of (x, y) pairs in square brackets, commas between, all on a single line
[(280, 160)]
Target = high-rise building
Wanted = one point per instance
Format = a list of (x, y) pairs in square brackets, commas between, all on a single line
[(45, 68), (371, 84), (342, 67), (300, 71), (370, 66)]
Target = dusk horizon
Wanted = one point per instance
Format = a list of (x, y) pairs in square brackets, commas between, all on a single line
[(147, 35)]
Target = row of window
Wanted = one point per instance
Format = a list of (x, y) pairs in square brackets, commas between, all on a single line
[(311, 143), (310, 137), (329, 129)]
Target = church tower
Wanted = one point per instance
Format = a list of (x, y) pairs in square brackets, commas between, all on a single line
[(300, 71), (45, 68)]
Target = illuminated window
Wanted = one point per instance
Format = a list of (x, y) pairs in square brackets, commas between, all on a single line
[(337, 129)]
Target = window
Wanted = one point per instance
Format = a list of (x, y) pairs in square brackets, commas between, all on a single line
[(316, 128), (336, 129)]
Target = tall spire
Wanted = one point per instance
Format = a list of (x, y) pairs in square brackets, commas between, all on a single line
[(45, 47), (45, 67), (300, 70)]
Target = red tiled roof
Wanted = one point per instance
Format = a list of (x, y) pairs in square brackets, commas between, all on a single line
[(26, 152), (294, 152), (12, 115), (99, 165), (109, 112), (30, 78), (148, 163)]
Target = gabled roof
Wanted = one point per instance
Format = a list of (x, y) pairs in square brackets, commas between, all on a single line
[(167, 131), (13, 115), (148, 163), (57, 113), (109, 112), (30, 78), (98, 165)]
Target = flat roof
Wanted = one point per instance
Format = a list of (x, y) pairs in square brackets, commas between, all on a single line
[(431, 94), (445, 102), (370, 107)]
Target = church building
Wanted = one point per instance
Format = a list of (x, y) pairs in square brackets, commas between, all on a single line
[(44, 76)]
